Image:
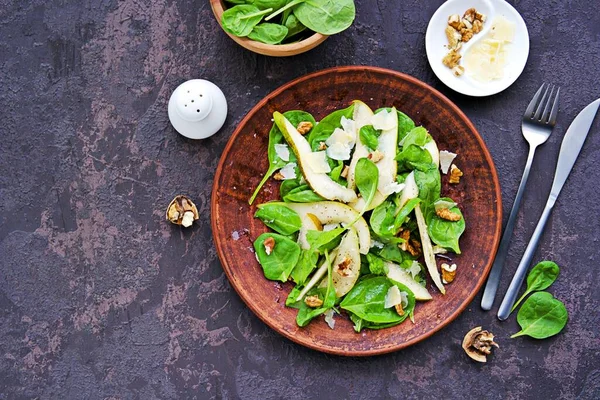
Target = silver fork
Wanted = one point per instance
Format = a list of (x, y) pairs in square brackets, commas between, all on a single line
[(538, 121)]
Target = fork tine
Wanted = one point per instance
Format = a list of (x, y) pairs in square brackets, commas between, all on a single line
[(531, 107), (554, 112), (540, 108), (545, 117)]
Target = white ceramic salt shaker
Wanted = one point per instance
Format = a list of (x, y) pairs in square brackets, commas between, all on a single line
[(197, 109)]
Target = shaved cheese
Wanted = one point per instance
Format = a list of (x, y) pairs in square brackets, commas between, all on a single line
[(339, 151), (439, 250), (282, 151), (439, 204), (384, 120), (341, 142), (340, 136), (377, 244), (329, 318), (415, 269), (349, 126), (502, 29), (330, 227), (289, 171), (446, 159), (393, 187), (393, 297), (317, 162)]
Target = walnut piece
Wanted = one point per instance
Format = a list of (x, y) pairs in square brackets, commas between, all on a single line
[(313, 301), (467, 34), (182, 211), (304, 127), (477, 26), (458, 70), (343, 267), (454, 21), (375, 156), (322, 146), (445, 213), (469, 15), (455, 174), (478, 344), (399, 309), (278, 176), (448, 273), (345, 171), (454, 37), (451, 59), (269, 244)]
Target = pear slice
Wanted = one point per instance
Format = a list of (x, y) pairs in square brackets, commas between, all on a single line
[(387, 166), (432, 148), (345, 265), (428, 250), (310, 222), (321, 183), (410, 191), (395, 272), (331, 212), (362, 116)]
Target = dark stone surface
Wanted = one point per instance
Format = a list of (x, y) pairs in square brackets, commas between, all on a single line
[(100, 298)]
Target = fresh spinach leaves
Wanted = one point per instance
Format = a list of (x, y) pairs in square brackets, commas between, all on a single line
[(327, 125), (367, 179), (327, 17), (241, 19), (446, 233), (541, 316), (279, 218), (268, 33), (540, 277), (369, 136), (278, 264)]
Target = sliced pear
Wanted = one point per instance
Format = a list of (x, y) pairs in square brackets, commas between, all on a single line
[(362, 116), (359, 204), (330, 212), (399, 274), (310, 222), (345, 265), (321, 183), (428, 250), (410, 191), (432, 148), (317, 276)]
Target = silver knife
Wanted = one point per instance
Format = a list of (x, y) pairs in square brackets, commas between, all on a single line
[(569, 150)]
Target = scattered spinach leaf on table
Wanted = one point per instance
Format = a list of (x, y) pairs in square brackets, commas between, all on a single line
[(541, 316), (540, 277)]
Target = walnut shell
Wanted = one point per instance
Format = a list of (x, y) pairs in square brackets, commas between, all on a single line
[(478, 344), (178, 208)]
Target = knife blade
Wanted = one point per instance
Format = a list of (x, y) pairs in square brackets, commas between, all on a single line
[(569, 151)]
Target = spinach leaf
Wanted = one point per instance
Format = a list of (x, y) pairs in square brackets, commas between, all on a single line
[(279, 218), (291, 301), (367, 179), (446, 233), (417, 136), (264, 4), (414, 157), (540, 277), (268, 33), (293, 24), (367, 299), (541, 316), (275, 162), (302, 194), (306, 313), (376, 265), (278, 265), (327, 125), (382, 219), (241, 19), (430, 185), (369, 136), (324, 240), (391, 252), (360, 323), (287, 186), (337, 166), (403, 213), (326, 17), (306, 264)]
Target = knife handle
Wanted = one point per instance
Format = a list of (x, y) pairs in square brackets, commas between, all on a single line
[(513, 290)]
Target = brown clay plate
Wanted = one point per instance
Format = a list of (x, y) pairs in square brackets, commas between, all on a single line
[(244, 161)]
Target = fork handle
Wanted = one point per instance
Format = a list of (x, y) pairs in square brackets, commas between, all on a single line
[(517, 281), (491, 287)]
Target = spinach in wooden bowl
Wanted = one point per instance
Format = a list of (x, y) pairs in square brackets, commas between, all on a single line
[(286, 21)]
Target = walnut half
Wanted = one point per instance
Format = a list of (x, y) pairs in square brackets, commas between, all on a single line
[(478, 344), (182, 211)]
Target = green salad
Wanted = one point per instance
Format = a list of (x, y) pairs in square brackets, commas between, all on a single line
[(360, 205)]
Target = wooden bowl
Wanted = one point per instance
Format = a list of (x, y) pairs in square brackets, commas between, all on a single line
[(274, 50), (244, 161)]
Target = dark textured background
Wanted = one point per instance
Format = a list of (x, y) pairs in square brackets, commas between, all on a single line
[(100, 298)]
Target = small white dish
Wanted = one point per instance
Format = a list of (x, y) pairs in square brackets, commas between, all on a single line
[(436, 42), (197, 109)]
